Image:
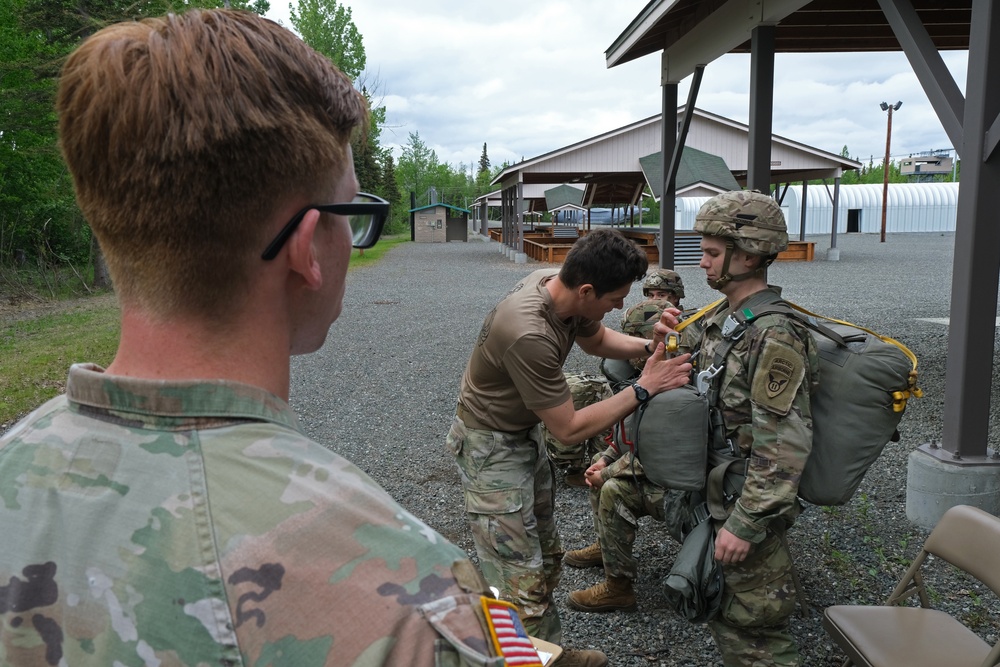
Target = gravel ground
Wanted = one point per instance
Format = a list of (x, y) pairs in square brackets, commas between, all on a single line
[(382, 393)]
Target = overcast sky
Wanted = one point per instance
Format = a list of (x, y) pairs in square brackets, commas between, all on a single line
[(529, 76)]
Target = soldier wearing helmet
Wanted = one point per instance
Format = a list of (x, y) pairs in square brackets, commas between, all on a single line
[(620, 493), (747, 225), (664, 284), (764, 367), (640, 319)]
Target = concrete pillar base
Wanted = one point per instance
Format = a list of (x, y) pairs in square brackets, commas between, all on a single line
[(935, 482), (520, 258), (833, 255)]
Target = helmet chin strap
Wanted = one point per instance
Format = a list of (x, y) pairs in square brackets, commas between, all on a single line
[(727, 277)]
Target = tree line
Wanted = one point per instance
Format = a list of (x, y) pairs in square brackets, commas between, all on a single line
[(46, 245)]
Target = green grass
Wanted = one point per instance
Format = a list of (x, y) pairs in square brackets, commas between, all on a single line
[(372, 255), (36, 352)]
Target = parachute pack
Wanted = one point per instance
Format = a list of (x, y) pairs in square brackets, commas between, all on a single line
[(865, 381)]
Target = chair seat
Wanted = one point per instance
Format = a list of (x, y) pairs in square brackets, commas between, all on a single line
[(890, 636)]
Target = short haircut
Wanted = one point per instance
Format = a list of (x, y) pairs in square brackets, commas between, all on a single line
[(184, 134), (605, 259)]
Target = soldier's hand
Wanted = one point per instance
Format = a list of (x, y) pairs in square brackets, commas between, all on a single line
[(661, 374), (729, 548), (593, 476)]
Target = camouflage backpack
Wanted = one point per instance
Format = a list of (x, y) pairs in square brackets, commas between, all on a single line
[(586, 389)]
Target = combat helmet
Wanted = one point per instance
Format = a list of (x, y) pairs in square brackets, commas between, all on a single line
[(663, 279), (639, 319), (748, 220)]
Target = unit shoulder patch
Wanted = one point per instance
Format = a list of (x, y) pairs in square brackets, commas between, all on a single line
[(780, 370)]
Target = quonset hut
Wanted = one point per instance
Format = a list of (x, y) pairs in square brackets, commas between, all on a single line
[(912, 207)]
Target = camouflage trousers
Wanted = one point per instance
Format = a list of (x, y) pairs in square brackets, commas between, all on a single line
[(618, 505), (509, 487), (572, 458), (751, 628), (586, 389)]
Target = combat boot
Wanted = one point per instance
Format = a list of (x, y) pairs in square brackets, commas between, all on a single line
[(574, 658), (612, 594), (575, 478), (585, 557)]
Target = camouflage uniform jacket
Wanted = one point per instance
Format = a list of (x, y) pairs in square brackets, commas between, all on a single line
[(764, 398), (192, 523)]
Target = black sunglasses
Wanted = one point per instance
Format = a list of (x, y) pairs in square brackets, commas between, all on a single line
[(366, 215)]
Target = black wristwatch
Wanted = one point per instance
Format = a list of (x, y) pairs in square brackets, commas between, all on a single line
[(640, 392)]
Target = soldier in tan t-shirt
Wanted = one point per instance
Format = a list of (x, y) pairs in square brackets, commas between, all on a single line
[(514, 381)]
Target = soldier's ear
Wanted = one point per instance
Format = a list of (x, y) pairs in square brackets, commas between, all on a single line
[(302, 257), (747, 261), (585, 289)]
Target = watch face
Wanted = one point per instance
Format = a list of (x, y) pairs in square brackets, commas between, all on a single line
[(640, 393)]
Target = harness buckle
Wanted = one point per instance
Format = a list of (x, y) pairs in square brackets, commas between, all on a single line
[(704, 379), (700, 513), (733, 328)]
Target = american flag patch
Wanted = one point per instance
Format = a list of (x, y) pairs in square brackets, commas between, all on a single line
[(509, 637)]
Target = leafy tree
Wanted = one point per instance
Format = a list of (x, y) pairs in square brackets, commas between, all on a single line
[(417, 167), (326, 26), (39, 219)]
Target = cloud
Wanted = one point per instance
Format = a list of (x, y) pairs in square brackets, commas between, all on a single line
[(529, 76)]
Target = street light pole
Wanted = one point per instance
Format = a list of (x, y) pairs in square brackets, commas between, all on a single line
[(885, 165)]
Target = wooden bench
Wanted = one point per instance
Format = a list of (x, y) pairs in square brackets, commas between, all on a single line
[(798, 251)]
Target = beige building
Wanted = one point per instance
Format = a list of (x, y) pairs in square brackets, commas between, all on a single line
[(439, 223)]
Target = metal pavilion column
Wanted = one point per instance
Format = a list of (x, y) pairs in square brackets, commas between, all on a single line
[(973, 125), (761, 108), (505, 214), (977, 248), (962, 471), (802, 211), (519, 212), (668, 142)]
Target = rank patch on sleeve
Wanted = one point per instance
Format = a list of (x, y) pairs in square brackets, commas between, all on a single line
[(780, 370), (509, 636)]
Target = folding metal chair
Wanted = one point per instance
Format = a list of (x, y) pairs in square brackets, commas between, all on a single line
[(890, 635)]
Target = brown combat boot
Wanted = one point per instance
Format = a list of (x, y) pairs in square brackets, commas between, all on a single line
[(574, 658), (576, 479), (612, 594), (585, 557)]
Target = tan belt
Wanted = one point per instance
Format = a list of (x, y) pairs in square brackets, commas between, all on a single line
[(470, 421)]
